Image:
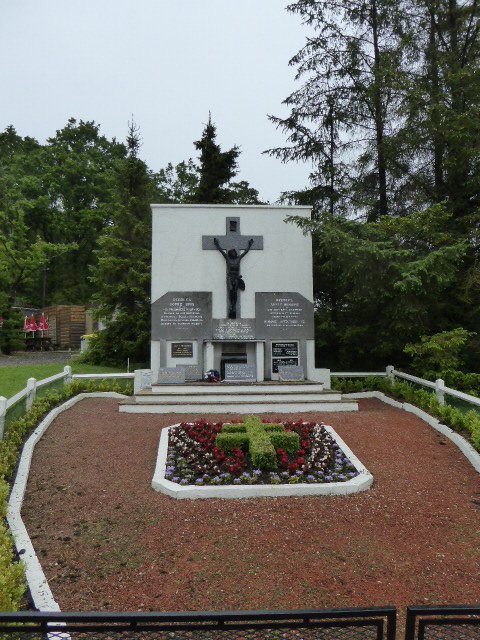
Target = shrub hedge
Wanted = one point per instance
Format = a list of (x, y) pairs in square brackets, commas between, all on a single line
[(467, 423), (262, 441), (12, 578), (228, 441)]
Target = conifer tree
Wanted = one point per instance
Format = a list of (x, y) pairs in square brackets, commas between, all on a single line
[(342, 117), (121, 276), (217, 168)]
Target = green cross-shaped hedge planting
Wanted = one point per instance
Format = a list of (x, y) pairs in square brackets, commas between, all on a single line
[(259, 439)]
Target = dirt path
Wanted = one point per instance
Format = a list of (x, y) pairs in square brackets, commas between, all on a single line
[(106, 540)]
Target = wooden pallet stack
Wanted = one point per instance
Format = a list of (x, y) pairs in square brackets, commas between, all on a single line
[(67, 324)]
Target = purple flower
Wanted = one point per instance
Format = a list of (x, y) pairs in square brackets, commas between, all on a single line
[(199, 481), (183, 481), (257, 472), (237, 481), (176, 479)]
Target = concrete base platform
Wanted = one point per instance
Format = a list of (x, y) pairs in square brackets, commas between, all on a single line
[(238, 398)]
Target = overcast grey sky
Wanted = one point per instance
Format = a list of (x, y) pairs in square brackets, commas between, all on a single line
[(166, 61)]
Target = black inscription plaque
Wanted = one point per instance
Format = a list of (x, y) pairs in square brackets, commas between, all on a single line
[(284, 349), (283, 362), (182, 314), (283, 315), (239, 329), (240, 372), (182, 350)]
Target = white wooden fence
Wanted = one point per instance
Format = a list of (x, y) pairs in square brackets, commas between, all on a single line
[(438, 386), (30, 391)]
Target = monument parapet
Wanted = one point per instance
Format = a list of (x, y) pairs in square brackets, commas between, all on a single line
[(231, 285)]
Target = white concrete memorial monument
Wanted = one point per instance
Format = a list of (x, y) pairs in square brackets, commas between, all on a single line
[(231, 285)]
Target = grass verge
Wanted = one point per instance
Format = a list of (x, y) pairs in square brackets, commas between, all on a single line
[(14, 379)]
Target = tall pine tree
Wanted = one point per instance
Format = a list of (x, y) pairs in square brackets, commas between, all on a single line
[(345, 116), (217, 168), (121, 277)]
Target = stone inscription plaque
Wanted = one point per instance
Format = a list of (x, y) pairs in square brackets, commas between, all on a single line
[(192, 371), (283, 362), (240, 372), (283, 315), (171, 375), (240, 329), (290, 373), (182, 350), (284, 349), (182, 314), (146, 379)]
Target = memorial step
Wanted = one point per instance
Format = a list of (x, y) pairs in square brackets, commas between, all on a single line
[(227, 389), (230, 405), (238, 396)]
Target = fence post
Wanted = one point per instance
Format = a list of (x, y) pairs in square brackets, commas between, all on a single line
[(68, 374), (440, 390), (3, 413), (31, 392), (389, 370)]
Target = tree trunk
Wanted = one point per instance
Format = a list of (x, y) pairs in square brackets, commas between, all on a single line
[(332, 159), (433, 79), (382, 204)]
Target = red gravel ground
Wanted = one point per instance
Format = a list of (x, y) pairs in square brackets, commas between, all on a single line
[(107, 541)]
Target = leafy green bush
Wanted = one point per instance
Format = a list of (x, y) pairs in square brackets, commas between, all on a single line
[(233, 428), (263, 455), (12, 580), (11, 336), (467, 382), (288, 441), (234, 440), (261, 440), (439, 352)]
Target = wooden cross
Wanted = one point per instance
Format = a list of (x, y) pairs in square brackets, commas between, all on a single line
[(261, 439)]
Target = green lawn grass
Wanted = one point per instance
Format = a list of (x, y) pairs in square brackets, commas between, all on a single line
[(13, 379)]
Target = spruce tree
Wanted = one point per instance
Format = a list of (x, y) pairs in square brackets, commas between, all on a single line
[(217, 168), (342, 117), (121, 276)]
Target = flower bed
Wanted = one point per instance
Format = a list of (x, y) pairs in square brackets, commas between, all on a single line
[(189, 459), (193, 458)]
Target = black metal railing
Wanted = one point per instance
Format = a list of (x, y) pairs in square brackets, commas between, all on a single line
[(331, 624), (443, 623)]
